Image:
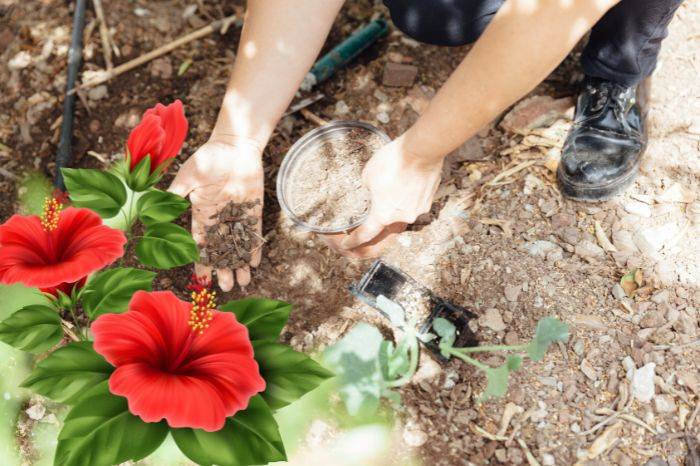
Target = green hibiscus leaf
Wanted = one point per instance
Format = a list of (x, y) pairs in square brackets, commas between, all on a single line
[(159, 206), (68, 372), (111, 290), (33, 328), (497, 382), (165, 245), (248, 438), (94, 189), (549, 330), (100, 431), (288, 374), (263, 317)]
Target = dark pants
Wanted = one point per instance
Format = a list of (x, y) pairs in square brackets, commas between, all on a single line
[(623, 47)]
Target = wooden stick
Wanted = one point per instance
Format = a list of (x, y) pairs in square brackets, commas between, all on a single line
[(104, 34), (309, 115), (218, 25)]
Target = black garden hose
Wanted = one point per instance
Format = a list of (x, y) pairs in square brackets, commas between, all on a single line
[(75, 55)]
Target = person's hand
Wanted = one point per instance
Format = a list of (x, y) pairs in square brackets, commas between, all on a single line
[(401, 188), (218, 173)]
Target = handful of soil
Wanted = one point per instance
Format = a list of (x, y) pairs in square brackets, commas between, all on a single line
[(326, 187), (230, 243)]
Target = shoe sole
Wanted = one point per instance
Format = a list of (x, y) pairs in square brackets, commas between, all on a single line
[(595, 193)]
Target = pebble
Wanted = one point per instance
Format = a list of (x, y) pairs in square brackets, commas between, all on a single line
[(643, 383), (511, 338), (383, 117), (36, 411), (622, 239), (536, 112), (561, 220), (652, 319), (20, 61), (588, 249), (570, 235), (588, 370), (637, 208), (548, 459), (162, 68), (660, 297), (399, 75), (341, 108), (512, 292), (414, 436), (664, 404), (618, 292), (656, 461), (97, 92), (540, 248), (492, 319)]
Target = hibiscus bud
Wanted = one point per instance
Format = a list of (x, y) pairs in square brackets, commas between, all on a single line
[(154, 143)]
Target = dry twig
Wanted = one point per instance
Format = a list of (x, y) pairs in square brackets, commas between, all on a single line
[(105, 36)]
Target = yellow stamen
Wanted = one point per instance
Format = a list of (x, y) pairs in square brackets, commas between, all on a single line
[(201, 314), (51, 214)]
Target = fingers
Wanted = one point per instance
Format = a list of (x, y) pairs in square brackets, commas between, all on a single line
[(243, 276), (363, 234), (225, 278)]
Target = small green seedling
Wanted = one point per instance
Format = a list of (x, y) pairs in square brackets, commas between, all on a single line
[(369, 367), (549, 330)]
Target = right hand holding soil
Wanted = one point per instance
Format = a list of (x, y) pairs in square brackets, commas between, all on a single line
[(402, 188), (225, 183)]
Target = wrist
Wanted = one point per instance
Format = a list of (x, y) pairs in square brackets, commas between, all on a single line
[(237, 140), (413, 156)]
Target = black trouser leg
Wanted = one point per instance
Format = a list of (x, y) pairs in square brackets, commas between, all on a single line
[(625, 43), (623, 47)]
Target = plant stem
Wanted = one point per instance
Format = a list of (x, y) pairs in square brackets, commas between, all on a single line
[(479, 349), (472, 361), (68, 331), (75, 321), (413, 365)]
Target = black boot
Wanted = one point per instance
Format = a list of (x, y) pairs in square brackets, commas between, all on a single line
[(602, 153)]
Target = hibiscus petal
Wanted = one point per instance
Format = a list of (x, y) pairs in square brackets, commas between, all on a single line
[(147, 138), (183, 401), (175, 125)]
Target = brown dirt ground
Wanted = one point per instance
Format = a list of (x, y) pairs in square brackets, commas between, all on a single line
[(474, 259)]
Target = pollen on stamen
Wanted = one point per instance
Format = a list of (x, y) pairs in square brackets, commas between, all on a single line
[(51, 214), (202, 312)]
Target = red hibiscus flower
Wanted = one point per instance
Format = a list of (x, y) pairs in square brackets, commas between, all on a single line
[(57, 250), (186, 363), (159, 135)]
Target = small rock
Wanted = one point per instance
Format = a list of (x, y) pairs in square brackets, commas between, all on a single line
[(660, 297), (548, 459), (637, 208), (618, 292), (419, 97), (677, 193), (383, 117), (656, 461), (643, 383), (341, 108), (512, 292), (561, 220), (515, 456), (588, 370), (588, 249), (652, 319), (622, 239), (664, 404), (162, 68), (399, 75), (97, 92), (536, 112), (162, 23), (36, 411), (20, 61), (165, 283), (492, 319), (414, 436), (511, 338), (570, 235), (540, 248), (95, 126)]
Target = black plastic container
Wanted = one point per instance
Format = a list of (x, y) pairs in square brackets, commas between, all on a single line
[(384, 279)]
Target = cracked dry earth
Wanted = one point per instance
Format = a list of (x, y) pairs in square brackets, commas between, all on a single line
[(500, 239)]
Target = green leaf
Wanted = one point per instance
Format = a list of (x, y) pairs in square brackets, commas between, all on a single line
[(447, 333), (33, 328), (497, 382), (393, 361), (165, 245), (111, 290), (159, 206), (68, 372), (355, 360), (289, 374), (250, 437), (264, 318), (514, 362), (549, 330), (138, 179), (100, 431), (94, 189)]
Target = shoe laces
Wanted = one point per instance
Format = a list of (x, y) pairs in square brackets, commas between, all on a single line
[(606, 93)]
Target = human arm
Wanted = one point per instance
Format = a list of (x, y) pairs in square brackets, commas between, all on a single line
[(523, 44), (279, 43)]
